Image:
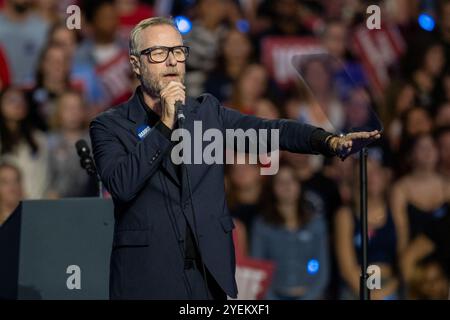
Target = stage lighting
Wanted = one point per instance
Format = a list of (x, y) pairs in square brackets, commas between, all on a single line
[(426, 22), (184, 25), (313, 266)]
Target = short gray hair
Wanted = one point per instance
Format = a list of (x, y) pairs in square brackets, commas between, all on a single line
[(144, 24)]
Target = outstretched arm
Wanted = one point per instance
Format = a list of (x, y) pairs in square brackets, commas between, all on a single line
[(295, 136)]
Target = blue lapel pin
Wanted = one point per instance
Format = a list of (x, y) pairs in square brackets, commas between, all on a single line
[(142, 131)]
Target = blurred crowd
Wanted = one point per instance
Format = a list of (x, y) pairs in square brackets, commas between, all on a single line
[(305, 219)]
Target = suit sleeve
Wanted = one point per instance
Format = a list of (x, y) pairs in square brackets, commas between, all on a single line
[(293, 136), (125, 173)]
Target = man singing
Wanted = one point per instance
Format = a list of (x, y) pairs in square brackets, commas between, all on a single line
[(173, 230)]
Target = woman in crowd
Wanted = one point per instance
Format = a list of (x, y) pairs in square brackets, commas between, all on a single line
[(10, 190), (235, 55), (400, 97), (244, 187), (426, 76), (422, 191), (82, 75), (413, 122), (208, 30), (292, 235), (249, 88), (21, 144), (420, 202), (324, 109), (52, 79), (67, 178), (382, 247), (360, 110)]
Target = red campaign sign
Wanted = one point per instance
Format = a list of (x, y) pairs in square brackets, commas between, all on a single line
[(277, 54), (253, 277), (115, 76), (378, 51)]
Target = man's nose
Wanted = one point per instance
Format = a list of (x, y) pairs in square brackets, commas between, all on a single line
[(171, 61)]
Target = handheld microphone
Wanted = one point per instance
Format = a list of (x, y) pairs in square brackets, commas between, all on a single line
[(88, 163), (86, 160), (179, 107)]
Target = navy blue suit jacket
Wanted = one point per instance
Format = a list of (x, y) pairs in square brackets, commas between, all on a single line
[(152, 204)]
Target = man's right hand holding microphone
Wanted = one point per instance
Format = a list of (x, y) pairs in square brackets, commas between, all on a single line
[(173, 92)]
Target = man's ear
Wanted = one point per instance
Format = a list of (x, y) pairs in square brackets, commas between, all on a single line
[(135, 65)]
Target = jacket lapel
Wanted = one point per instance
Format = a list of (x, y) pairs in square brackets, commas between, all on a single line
[(138, 116)]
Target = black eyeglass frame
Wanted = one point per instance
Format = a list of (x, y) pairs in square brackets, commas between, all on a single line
[(147, 52)]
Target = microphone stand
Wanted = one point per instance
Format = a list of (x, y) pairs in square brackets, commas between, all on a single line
[(180, 117), (364, 292), (88, 164), (92, 171)]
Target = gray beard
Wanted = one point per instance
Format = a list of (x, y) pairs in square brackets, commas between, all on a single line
[(150, 87)]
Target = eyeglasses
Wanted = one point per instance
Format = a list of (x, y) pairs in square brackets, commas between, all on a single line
[(160, 54)]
